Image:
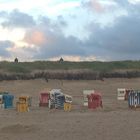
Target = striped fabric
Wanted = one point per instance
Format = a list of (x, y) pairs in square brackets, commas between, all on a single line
[(134, 98)]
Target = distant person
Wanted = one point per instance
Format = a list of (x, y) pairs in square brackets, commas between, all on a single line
[(61, 59), (16, 60)]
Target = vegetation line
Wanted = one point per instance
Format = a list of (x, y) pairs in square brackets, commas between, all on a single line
[(69, 70)]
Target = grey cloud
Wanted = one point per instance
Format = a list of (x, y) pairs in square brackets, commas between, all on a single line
[(60, 46), (131, 8), (17, 19), (122, 2), (3, 46), (57, 25), (61, 21), (94, 6), (3, 14), (55, 43), (117, 42), (101, 7)]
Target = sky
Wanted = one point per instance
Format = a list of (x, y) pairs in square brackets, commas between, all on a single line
[(76, 30)]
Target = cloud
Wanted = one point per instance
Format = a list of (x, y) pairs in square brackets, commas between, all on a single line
[(3, 13), (118, 42), (24, 53), (17, 19), (50, 40), (46, 38), (134, 1), (4, 46), (35, 37), (104, 12), (60, 46), (99, 6), (95, 5), (61, 21)]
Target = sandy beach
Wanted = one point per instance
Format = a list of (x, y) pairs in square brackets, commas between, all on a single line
[(115, 121)]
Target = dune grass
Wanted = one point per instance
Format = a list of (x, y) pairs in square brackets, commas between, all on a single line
[(27, 67)]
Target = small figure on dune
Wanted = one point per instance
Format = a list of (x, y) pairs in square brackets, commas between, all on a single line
[(16, 60), (61, 59)]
